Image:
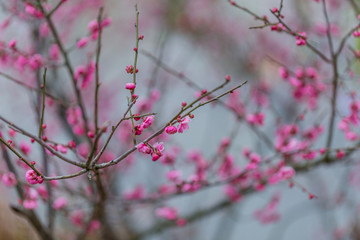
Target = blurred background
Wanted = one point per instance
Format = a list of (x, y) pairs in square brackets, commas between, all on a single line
[(189, 46)]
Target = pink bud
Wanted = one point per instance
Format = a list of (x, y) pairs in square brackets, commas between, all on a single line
[(171, 129), (167, 213), (59, 203), (147, 121), (82, 42), (32, 177), (91, 134), (130, 86), (12, 44)]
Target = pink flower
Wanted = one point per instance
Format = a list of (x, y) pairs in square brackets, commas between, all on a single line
[(255, 158), (184, 124), (256, 119), (59, 203), (138, 129), (301, 39), (93, 26), (246, 151), (284, 74), (106, 22), (251, 166), (344, 125), (30, 9), (232, 193), (11, 132), (91, 134), (143, 148), (157, 153), (137, 193), (44, 29), (147, 121), (168, 213), (77, 218), (94, 225), (30, 204), (171, 129), (173, 175), (351, 136), (129, 69), (31, 196), (340, 154), (25, 148), (309, 155), (286, 172), (85, 74), (82, 42), (130, 86), (54, 51), (79, 71), (43, 192), (322, 150), (181, 222), (62, 149), (32, 177), (269, 213), (9, 179), (12, 44), (36, 61)]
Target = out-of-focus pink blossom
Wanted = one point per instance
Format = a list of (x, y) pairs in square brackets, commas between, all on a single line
[(33, 178), (184, 124), (168, 213), (9, 179), (60, 203)]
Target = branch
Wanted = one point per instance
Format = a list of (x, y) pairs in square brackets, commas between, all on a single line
[(42, 143), (68, 66)]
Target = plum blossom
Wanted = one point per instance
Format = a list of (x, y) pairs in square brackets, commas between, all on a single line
[(33, 178), (82, 42), (9, 179), (147, 121), (31, 196), (143, 148), (269, 214), (184, 124), (171, 129), (60, 203), (77, 218), (158, 151), (168, 213), (130, 86), (137, 193)]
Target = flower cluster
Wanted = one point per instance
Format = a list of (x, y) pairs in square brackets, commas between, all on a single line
[(156, 151), (183, 125), (348, 123), (305, 83), (33, 178)]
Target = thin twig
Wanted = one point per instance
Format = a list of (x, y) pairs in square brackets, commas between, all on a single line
[(43, 105), (42, 143), (127, 153), (33, 89), (113, 129), (20, 156), (68, 67), (97, 86), (83, 171)]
